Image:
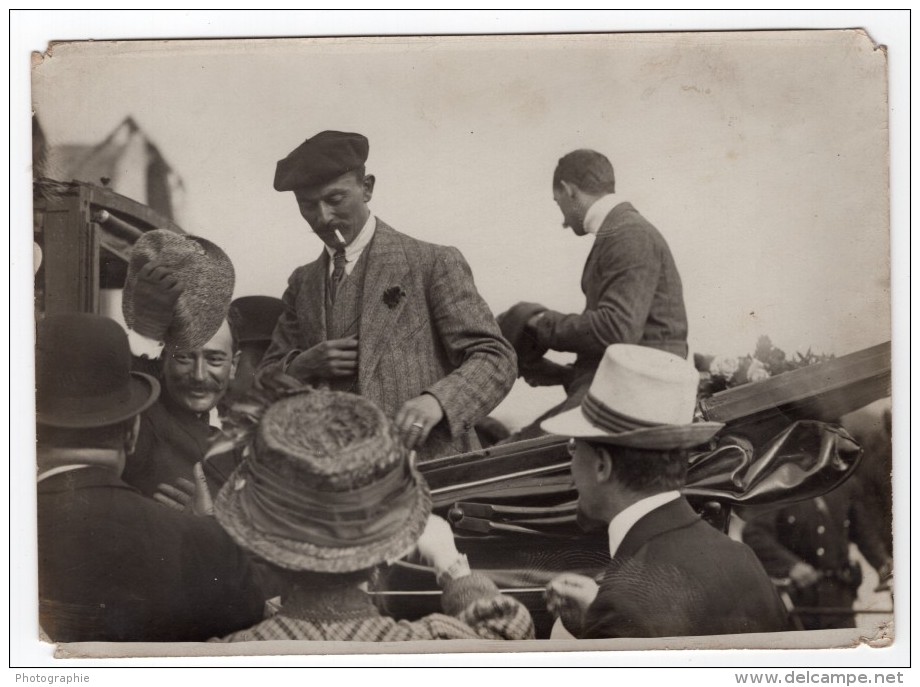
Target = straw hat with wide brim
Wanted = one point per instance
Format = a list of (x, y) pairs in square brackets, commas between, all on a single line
[(328, 487), (640, 397), (207, 279), (83, 373)]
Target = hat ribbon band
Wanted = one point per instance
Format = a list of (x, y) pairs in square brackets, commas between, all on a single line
[(601, 415), (334, 519)]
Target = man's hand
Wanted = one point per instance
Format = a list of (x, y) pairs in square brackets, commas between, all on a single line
[(155, 296), (803, 575), (417, 418), (436, 545), (327, 360), (568, 597), (187, 496), (546, 373)]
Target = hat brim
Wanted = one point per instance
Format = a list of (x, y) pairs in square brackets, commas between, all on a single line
[(298, 555), (573, 423), (144, 392)]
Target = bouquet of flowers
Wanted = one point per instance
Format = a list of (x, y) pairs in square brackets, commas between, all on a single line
[(718, 373)]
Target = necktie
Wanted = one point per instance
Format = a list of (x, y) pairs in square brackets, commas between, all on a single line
[(338, 271)]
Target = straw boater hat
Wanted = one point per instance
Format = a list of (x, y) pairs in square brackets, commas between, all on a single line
[(328, 487), (207, 279), (640, 397), (83, 375)]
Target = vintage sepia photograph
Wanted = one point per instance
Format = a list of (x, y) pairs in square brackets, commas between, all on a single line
[(565, 341)]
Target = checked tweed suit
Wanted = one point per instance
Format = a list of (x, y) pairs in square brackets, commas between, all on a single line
[(421, 325)]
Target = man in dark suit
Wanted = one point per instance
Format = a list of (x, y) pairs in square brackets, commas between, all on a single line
[(382, 314), (632, 288), (670, 573), (113, 564)]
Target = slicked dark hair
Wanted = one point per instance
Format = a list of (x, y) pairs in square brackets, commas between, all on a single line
[(588, 170), (646, 470)]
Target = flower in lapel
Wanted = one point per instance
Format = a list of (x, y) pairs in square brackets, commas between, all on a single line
[(393, 295)]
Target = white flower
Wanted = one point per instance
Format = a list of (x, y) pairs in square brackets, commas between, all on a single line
[(757, 372), (723, 366)]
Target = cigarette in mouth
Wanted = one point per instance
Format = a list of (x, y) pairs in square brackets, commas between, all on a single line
[(339, 236)]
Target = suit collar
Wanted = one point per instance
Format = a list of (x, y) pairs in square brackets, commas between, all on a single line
[(624, 521), (674, 515)]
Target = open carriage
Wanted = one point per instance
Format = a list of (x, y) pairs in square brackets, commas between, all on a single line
[(512, 506)]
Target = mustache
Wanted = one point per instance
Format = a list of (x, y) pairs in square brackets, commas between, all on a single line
[(213, 387)]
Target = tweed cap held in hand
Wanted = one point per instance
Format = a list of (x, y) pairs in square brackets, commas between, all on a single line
[(207, 279), (327, 487), (321, 159)]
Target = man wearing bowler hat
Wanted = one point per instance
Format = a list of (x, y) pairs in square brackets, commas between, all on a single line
[(382, 314), (255, 317), (113, 564), (670, 573)]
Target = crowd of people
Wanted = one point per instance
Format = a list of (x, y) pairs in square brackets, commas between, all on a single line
[(246, 470)]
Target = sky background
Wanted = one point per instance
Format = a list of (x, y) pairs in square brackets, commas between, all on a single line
[(734, 223), (762, 159)]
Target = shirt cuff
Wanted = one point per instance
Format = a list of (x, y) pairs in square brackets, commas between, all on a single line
[(459, 568), (143, 347)]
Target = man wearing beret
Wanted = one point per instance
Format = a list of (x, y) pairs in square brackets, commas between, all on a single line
[(632, 288), (382, 314)]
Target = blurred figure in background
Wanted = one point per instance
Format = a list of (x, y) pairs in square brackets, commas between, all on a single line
[(256, 317), (807, 546)]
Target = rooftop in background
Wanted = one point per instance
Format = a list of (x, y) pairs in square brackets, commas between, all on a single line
[(126, 161)]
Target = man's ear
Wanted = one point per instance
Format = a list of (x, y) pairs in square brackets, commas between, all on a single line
[(569, 189), (603, 466), (368, 183)]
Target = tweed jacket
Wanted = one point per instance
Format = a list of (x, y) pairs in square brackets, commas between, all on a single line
[(633, 295), (117, 566), (473, 609), (676, 575), (423, 327)]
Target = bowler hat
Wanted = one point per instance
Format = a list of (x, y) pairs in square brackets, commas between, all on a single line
[(327, 487), (207, 279), (83, 373), (640, 397), (322, 158), (258, 316)]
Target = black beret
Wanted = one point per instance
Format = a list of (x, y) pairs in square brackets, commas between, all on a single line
[(320, 159), (258, 316)]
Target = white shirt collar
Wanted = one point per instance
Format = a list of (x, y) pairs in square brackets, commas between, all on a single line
[(58, 470), (598, 212), (624, 520), (354, 249)]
